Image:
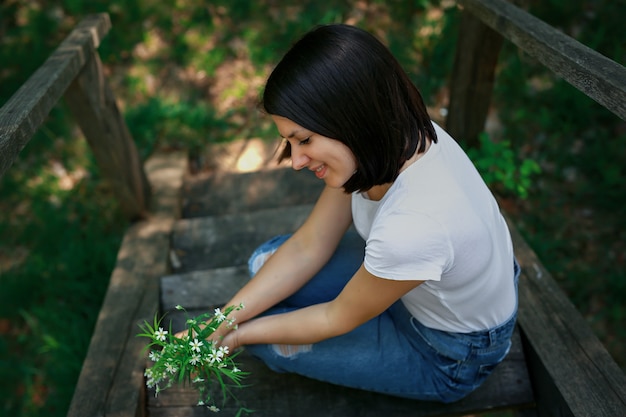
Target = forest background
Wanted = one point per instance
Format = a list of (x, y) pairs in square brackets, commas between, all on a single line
[(187, 73)]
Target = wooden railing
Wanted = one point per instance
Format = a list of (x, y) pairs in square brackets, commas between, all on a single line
[(484, 24), (107, 382), (74, 71), (571, 371)]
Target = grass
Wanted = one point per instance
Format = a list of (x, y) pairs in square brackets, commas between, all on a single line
[(188, 73), (59, 246)]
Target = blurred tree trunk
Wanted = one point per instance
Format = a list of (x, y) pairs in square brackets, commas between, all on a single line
[(473, 75)]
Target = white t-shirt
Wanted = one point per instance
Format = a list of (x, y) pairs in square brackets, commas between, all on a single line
[(440, 223)]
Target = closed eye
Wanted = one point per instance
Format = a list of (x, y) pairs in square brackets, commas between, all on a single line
[(305, 141)]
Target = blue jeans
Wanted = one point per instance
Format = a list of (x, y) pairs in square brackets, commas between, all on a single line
[(393, 353)]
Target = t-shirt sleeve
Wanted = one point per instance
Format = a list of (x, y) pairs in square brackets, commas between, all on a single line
[(407, 246)]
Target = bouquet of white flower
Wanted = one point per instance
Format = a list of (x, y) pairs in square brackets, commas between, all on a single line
[(193, 359)]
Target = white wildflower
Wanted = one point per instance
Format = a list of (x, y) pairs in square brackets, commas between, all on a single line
[(195, 345), (219, 315), (150, 383), (194, 359), (235, 369), (210, 359), (154, 356), (160, 334), (220, 353), (214, 409), (198, 379), (170, 368)]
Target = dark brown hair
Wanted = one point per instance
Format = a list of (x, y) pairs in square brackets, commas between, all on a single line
[(343, 83)]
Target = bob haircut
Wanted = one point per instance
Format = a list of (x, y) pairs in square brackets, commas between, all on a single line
[(343, 83)]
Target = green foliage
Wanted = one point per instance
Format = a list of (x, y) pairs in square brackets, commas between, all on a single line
[(496, 161), (51, 300), (191, 359), (181, 124), (268, 39), (432, 46)]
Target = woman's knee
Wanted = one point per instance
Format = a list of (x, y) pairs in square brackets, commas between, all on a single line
[(277, 357), (263, 253)]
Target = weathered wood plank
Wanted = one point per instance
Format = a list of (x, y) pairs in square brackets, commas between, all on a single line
[(599, 77), (199, 289), (111, 379), (277, 395), (26, 110), (93, 106), (229, 240), (473, 74), (230, 193), (571, 371)]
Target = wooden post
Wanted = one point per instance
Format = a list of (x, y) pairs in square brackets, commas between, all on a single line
[(74, 69), (93, 105), (473, 74), (597, 76), (25, 111)]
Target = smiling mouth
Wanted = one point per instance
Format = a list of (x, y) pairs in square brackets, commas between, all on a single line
[(320, 170)]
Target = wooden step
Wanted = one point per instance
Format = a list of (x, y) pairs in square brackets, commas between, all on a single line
[(199, 289), (228, 240), (272, 394), (229, 193), (276, 395)]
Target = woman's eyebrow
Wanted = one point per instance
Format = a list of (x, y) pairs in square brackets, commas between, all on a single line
[(292, 134)]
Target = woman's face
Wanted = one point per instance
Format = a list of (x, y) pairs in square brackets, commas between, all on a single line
[(329, 159)]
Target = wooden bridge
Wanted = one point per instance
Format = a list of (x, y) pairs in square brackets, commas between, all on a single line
[(193, 234)]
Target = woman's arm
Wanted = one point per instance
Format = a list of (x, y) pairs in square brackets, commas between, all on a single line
[(297, 259), (364, 297)]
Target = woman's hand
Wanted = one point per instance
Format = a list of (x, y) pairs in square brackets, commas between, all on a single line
[(231, 340), (223, 336), (217, 335)]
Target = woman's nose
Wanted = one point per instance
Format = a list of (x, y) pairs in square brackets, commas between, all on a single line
[(298, 159)]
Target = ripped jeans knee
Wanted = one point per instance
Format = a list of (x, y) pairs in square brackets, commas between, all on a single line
[(291, 351), (263, 253), (280, 357)]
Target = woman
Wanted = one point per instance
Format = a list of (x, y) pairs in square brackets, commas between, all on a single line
[(423, 304)]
